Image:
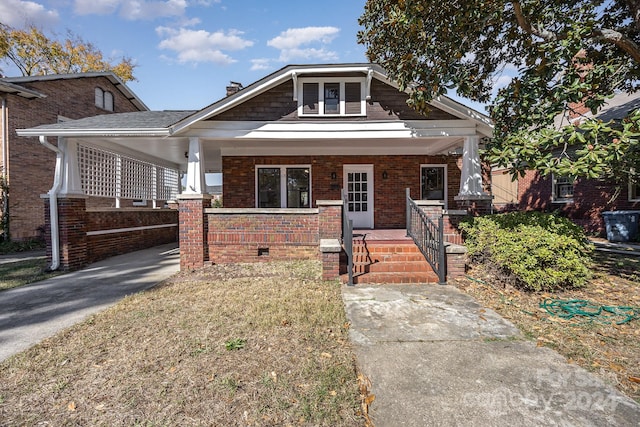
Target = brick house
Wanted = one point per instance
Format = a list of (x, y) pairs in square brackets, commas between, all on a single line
[(581, 200), (287, 146), (35, 100)]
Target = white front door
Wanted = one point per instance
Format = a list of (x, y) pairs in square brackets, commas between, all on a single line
[(358, 185)]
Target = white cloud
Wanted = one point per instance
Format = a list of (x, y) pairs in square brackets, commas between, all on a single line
[(296, 37), (292, 42), (18, 13), (132, 9), (202, 46), (260, 64)]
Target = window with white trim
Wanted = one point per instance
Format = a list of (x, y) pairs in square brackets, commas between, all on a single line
[(103, 99), (562, 189), (331, 96), (283, 186)]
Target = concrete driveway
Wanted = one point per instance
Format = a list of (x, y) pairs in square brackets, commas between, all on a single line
[(435, 357), (29, 314)]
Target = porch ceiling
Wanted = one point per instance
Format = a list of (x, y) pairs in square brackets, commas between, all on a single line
[(171, 151)]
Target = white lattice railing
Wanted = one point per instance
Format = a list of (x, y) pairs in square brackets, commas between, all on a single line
[(107, 174)]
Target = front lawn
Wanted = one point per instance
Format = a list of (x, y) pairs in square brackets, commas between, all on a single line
[(245, 344), (610, 350)]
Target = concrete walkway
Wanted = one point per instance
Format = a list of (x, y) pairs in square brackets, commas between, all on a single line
[(435, 357), (30, 313)]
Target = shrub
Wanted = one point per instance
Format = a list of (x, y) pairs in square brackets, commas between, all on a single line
[(535, 251)]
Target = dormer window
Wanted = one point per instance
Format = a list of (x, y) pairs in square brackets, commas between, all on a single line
[(331, 97), (104, 99)]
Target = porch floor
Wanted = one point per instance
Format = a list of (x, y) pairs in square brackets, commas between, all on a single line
[(382, 235)]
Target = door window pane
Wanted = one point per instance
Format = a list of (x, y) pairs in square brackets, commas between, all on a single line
[(433, 179), (269, 187), (297, 187)]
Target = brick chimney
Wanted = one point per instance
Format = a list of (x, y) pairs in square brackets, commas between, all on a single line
[(234, 87)]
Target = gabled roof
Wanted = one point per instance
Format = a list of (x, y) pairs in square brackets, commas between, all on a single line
[(115, 80), (178, 123), (293, 71)]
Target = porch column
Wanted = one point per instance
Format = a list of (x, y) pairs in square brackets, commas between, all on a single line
[(471, 192), (71, 183), (194, 229), (196, 183)]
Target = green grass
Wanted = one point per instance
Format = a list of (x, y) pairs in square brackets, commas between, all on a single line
[(24, 272)]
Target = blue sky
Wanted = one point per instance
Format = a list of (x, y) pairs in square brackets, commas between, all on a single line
[(187, 51)]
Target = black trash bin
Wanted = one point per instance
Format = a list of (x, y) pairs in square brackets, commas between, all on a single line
[(621, 226)]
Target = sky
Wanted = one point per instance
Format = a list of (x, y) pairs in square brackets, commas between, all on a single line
[(187, 51)]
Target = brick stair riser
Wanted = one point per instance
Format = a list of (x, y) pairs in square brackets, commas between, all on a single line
[(392, 267)]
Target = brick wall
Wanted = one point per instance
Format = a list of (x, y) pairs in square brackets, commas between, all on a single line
[(262, 235), (389, 202), (590, 199), (89, 235), (31, 166), (101, 246)]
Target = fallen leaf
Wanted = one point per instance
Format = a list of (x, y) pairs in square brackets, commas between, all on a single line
[(71, 407), (333, 393), (634, 379), (326, 355), (369, 399), (616, 367)]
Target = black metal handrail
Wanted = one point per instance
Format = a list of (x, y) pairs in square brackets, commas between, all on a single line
[(428, 236), (347, 238)]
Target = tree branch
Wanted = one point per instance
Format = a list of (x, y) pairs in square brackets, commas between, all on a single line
[(527, 27), (620, 40)]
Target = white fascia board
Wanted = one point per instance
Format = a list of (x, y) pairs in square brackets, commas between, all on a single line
[(485, 125), (250, 92), (347, 130), (35, 132)]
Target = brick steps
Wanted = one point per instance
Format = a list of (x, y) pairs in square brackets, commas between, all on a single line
[(390, 262)]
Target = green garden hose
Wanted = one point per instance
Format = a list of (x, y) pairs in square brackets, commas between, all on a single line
[(568, 309)]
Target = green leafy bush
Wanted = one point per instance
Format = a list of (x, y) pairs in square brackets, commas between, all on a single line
[(536, 251)]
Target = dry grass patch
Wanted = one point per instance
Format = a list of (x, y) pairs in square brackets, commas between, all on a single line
[(612, 351), (244, 344)]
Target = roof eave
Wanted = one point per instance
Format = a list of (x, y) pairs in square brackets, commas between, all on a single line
[(151, 132)]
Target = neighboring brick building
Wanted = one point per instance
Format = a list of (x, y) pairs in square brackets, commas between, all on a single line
[(582, 200), (31, 101)]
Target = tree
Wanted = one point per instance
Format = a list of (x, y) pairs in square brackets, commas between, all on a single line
[(33, 53), (565, 55)]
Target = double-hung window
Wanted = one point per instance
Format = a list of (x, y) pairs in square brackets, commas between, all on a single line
[(331, 96), (104, 99), (283, 186), (562, 190)]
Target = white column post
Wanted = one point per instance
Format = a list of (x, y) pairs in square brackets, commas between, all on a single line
[(195, 168), (471, 179), (71, 183)]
